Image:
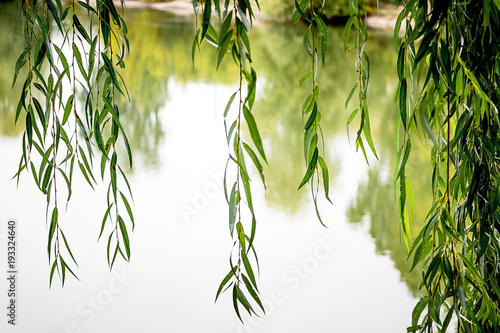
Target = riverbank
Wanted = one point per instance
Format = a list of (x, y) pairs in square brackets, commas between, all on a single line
[(386, 18), (176, 7)]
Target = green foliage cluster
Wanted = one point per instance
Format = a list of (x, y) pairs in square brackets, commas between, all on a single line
[(448, 67), (60, 134)]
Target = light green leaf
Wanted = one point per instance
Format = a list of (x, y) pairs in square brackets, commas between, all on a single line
[(233, 205), (304, 77)]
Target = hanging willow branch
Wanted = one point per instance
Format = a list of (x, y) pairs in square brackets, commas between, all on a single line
[(233, 38), (61, 131), (315, 32), (357, 13)]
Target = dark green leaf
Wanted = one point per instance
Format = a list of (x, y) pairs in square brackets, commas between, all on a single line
[(254, 132), (256, 162), (124, 232), (310, 168), (67, 109), (299, 11)]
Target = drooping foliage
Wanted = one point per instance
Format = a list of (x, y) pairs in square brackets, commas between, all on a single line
[(66, 62), (316, 32), (233, 37), (449, 75)]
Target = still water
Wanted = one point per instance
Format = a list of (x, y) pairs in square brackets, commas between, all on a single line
[(349, 277)]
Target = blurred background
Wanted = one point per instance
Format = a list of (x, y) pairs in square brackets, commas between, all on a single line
[(349, 277)]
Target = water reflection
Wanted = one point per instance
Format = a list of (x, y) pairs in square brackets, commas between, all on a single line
[(161, 56), (11, 45)]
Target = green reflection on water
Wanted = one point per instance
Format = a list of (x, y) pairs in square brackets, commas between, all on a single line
[(11, 45), (161, 51)]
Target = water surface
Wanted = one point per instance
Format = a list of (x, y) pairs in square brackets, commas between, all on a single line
[(349, 277)]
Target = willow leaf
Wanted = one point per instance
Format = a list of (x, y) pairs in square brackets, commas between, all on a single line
[(124, 232), (326, 179), (223, 283), (52, 228), (256, 162), (233, 205), (254, 132), (252, 292), (310, 169)]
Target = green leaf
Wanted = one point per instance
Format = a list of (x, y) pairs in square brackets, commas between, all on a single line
[(248, 268), (233, 205), (226, 279), (425, 45), (63, 263), (299, 11), (46, 178), (256, 162), (402, 102), (212, 35), (68, 108), (52, 228), (243, 17), (254, 132), (129, 210), (427, 127), (404, 160), (243, 300), (225, 27), (228, 106), (313, 144), (123, 230), (104, 219), (40, 113), (417, 311), (87, 165), (409, 194), (223, 46), (310, 169), (304, 77), (207, 13), (19, 64), (308, 104), (81, 29), (252, 292), (87, 7), (84, 173), (252, 85), (235, 301), (324, 48), (326, 179), (68, 183), (68, 248), (312, 117), (368, 135), (52, 270), (78, 57), (246, 184), (350, 96), (308, 42)]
